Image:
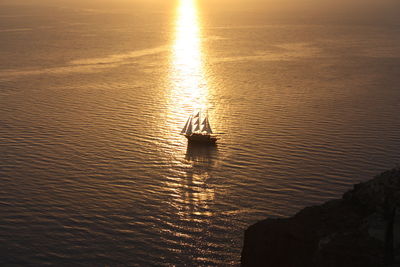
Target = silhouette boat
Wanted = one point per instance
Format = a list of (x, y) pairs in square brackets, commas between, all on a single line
[(197, 129)]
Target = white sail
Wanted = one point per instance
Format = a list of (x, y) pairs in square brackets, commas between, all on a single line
[(205, 126), (189, 128), (196, 124), (185, 128), (204, 120)]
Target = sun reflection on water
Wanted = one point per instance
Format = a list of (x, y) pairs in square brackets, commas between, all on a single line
[(189, 85), (190, 192)]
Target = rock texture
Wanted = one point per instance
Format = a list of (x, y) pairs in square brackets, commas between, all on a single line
[(361, 229)]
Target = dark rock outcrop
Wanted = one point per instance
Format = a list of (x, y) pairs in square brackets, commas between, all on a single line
[(361, 229)]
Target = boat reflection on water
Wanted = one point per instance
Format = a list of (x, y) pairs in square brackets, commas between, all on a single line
[(201, 155), (199, 179)]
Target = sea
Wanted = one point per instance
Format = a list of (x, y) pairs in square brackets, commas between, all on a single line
[(304, 98)]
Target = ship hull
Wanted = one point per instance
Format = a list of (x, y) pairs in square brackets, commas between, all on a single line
[(201, 139)]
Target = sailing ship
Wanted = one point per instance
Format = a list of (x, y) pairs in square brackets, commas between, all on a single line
[(197, 129)]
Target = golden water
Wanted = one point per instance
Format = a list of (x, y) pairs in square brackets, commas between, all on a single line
[(93, 95)]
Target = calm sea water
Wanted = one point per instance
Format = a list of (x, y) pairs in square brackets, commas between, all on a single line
[(93, 95)]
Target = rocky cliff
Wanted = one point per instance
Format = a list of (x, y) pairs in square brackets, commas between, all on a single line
[(361, 229)]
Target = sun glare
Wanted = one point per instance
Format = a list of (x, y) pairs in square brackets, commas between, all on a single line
[(188, 81), (188, 92)]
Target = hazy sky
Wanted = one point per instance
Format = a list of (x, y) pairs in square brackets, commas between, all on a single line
[(290, 11), (357, 5)]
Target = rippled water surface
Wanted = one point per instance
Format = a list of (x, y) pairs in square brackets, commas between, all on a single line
[(93, 170)]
